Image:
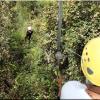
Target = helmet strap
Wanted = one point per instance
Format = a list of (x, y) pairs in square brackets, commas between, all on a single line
[(93, 88)]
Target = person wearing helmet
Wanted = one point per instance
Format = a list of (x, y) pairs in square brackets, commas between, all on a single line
[(29, 33), (90, 65)]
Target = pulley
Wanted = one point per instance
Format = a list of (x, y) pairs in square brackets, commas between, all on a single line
[(59, 57)]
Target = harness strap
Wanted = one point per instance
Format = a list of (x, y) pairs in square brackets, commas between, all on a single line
[(93, 88), (92, 94)]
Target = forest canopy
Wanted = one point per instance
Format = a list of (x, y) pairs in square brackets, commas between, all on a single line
[(28, 70)]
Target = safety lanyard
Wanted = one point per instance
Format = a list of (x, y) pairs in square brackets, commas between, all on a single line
[(58, 53)]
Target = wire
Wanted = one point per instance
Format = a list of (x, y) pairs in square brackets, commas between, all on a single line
[(73, 52), (59, 25), (59, 30)]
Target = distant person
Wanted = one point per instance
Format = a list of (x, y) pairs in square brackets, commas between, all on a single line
[(90, 64), (29, 33)]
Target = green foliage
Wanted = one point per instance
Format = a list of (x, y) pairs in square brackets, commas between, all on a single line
[(30, 69)]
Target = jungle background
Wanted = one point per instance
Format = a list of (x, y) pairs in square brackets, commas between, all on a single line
[(28, 71)]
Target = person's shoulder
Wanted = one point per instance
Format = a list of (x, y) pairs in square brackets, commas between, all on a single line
[(74, 83), (73, 90)]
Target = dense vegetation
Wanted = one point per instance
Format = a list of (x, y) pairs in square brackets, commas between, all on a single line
[(28, 71)]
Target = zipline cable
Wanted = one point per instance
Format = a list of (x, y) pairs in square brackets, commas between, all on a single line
[(74, 52), (59, 25), (58, 53)]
